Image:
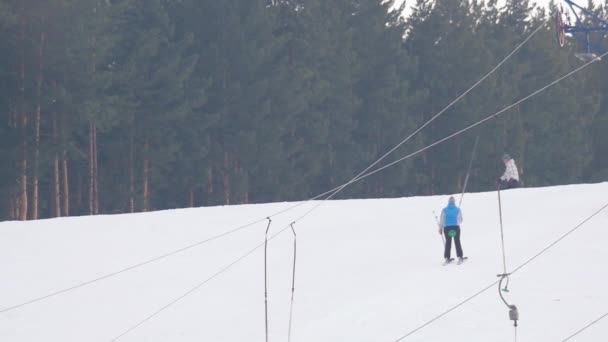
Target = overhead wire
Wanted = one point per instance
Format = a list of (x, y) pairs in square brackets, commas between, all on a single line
[(502, 242), (496, 282), (331, 193), (356, 179), (447, 311), (364, 174), (483, 120), (124, 270), (586, 327), (187, 293), (199, 285)]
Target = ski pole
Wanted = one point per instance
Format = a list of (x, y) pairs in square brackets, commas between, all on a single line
[(438, 225)]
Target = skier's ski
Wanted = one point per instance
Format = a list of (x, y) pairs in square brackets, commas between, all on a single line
[(460, 261), (447, 262)]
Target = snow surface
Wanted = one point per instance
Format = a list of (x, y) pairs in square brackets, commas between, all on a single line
[(367, 270)]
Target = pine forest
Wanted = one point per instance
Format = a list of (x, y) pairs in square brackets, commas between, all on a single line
[(121, 106)]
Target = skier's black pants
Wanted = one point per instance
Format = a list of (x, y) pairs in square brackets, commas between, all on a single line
[(510, 184), (448, 241)]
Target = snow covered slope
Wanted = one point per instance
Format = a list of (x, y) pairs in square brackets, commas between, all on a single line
[(367, 270)]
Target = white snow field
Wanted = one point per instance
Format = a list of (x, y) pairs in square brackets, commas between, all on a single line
[(367, 270)]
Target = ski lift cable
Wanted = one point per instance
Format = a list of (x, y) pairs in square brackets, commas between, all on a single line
[(517, 269), (293, 282), (242, 227), (364, 173), (502, 242), (124, 270), (585, 327), (466, 178), (192, 290), (266, 276), (485, 119), (199, 285), (513, 312), (329, 193), (389, 165), (447, 311), (293, 279)]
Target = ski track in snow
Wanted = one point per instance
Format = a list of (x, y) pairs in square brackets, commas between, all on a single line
[(367, 270)]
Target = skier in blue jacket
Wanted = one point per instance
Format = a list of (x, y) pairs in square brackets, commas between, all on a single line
[(451, 218)]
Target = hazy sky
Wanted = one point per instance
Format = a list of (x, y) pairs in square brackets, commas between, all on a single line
[(538, 2)]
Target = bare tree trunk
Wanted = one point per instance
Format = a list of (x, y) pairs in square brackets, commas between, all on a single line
[(12, 206), (12, 197), (55, 183), (226, 178), (191, 198), (66, 186), (245, 191), (35, 210), (95, 169), (23, 200), (146, 171), (460, 181), (210, 179), (56, 188), (79, 192), (11, 120), (132, 177), (23, 210), (427, 168), (91, 172), (93, 176), (432, 180), (35, 199)]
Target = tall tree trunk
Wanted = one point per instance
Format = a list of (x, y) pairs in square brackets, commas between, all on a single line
[(12, 206), (226, 178), (132, 176), (55, 183), (79, 191), (93, 197), (95, 169), (35, 196), (191, 198), (13, 201), (11, 119), (91, 168), (210, 179), (432, 179), (426, 187), (56, 188), (93, 189), (146, 171), (66, 186), (23, 200)]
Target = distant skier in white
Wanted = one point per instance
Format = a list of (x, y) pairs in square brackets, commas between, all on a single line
[(510, 178), (449, 226)]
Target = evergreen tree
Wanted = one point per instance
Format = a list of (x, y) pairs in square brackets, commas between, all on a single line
[(154, 69), (383, 85)]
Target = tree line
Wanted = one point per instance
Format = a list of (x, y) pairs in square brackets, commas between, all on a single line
[(115, 106)]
